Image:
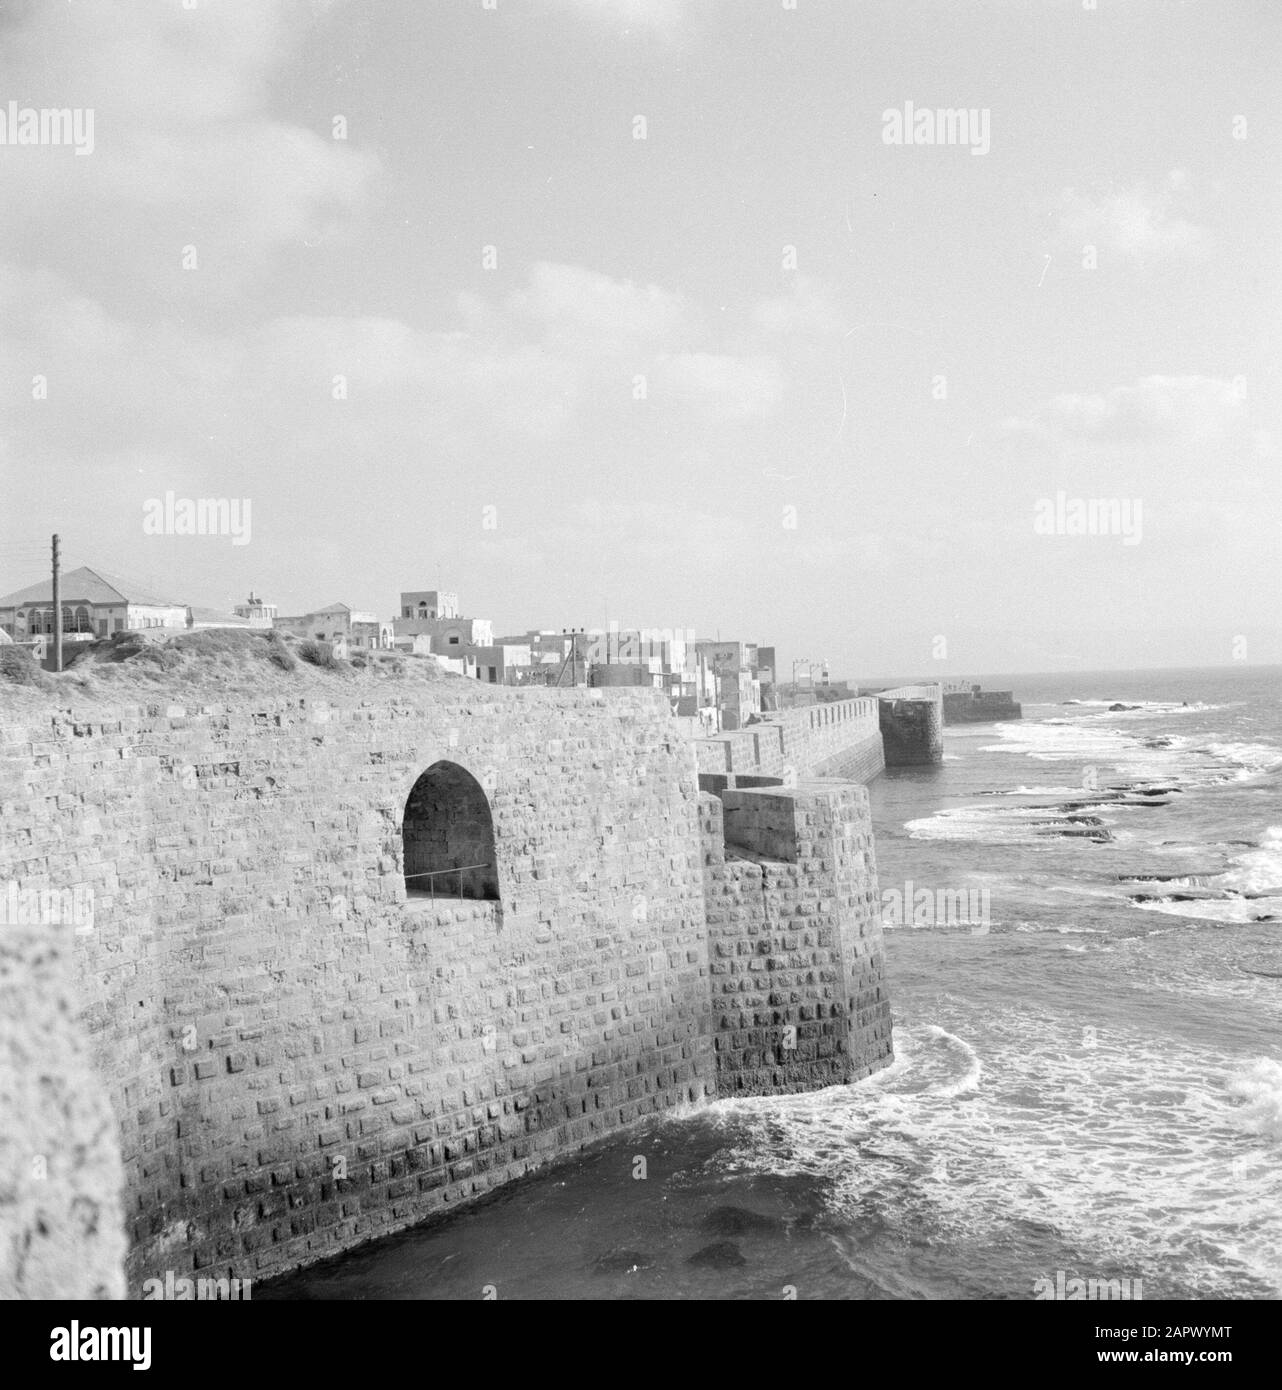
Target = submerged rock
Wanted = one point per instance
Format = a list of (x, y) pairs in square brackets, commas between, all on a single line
[(1074, 827), (1190, 879), (725, 1254), (739, 1221), (1205, 895)]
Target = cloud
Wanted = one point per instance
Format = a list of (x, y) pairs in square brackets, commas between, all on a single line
[(565, 296), (560, 356), (187, 150), (665, 16), (1196, 410), (1140, 223), (806, 308), (1187, 446), (729, 387)]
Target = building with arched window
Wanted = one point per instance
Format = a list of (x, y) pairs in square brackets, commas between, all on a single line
[(429, 604), (93, 605)]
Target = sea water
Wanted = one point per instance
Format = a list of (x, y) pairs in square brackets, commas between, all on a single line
[(1087, 1082)]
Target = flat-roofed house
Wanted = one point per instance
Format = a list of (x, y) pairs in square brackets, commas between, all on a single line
[(345, 628)]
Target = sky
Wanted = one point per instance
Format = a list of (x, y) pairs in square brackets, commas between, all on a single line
[(634, 310)]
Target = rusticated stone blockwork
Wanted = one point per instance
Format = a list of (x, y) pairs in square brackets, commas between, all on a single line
[(62, 1231), (975, 706), (912, 730), (298, 1056), (794, 938)]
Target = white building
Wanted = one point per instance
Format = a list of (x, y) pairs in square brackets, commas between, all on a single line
[(94, 604), (256, 612)]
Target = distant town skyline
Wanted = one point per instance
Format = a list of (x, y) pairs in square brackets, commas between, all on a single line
[(818, 327)]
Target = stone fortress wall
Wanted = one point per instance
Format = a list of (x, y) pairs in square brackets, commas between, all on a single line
[(839, 739), (304, 1049), (912, 725), (62, 1233), (794, 938), (965, 703)]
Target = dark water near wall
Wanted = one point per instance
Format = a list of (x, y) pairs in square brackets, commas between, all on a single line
[(1084, 1082)]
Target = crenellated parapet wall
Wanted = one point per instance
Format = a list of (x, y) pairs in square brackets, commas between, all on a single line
[(838, 739), (794, 939)]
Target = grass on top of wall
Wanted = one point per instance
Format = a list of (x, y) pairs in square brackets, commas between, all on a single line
[(226, 660)]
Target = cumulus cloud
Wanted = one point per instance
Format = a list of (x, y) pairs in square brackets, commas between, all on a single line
[(1141, 223), (730, 387), (1187, 446), (570, 296), (231, 383), (1183, 409), (187, 149), (531, 366), (806, 308)]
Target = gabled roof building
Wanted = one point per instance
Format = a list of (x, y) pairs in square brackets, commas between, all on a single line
[(94, 604)]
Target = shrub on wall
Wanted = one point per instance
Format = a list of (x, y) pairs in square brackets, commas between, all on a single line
[(319, 654), (278, 653), (17, 667)]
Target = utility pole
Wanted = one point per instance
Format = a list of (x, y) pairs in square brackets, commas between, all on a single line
[(57, 610), (572, 656)]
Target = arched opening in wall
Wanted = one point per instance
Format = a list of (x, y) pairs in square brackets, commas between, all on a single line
[(448, 835)]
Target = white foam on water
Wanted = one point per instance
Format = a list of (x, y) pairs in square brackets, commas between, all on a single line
[(1005, 823), (1060, 929), (1251, 758), (1148, 706), (1056, 741), (1131, 757), (963, 823), (1134, 1151), (1041, 791), (969, 1079), (1080, 890), (1219, 909), (1260, 1086), (1256, 871)]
